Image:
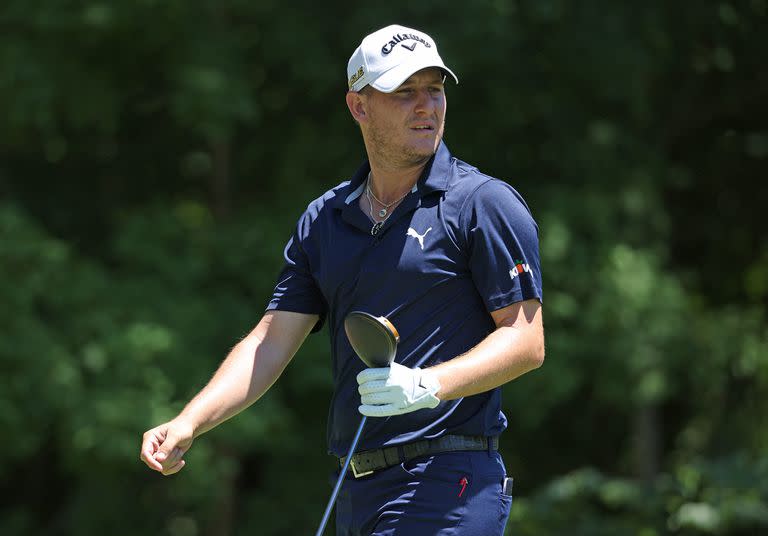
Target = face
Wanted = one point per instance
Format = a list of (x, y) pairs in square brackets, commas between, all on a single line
[(405, 127)]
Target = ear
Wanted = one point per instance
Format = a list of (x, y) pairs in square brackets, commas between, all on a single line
[(357, 106)]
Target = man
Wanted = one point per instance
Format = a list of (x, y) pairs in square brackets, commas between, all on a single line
[(450, 257)]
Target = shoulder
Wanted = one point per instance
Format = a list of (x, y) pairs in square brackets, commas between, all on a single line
[(328, 201), (478, 191)]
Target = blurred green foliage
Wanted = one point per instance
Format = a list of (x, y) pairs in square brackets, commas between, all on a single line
[(154, 157)]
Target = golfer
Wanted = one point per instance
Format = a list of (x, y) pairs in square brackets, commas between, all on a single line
[(450, 256)]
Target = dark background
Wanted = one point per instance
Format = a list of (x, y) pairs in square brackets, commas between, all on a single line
[(154, 157)]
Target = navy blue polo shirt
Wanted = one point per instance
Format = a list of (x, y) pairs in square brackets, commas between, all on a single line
[(460, 245)]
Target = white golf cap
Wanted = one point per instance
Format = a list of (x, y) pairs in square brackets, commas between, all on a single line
[(386, 58)]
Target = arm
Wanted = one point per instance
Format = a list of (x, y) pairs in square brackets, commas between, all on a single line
[(514, 348), (249, 370)]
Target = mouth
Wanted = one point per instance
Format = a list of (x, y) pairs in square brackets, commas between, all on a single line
[(423, 128)]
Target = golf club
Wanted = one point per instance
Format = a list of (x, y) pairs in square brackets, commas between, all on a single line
[(374, 339)]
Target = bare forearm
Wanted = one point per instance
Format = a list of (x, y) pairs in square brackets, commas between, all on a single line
[(233, 387), (494, 362), (245, 375), (514, 348)]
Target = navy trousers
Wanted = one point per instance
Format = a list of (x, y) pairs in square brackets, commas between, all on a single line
[(446, 494)]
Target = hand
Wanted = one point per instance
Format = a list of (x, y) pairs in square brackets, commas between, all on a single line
[(164, 446), (396, 389)]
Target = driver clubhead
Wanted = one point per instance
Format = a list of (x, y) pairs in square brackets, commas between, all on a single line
[(373, 338)]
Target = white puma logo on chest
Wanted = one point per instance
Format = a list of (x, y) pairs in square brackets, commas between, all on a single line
[(412, 232)]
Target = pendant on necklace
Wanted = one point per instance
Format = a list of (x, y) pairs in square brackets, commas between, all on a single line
[(382, 213)]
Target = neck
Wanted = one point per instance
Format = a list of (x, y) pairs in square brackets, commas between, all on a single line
[(390, 183), (394, 168)]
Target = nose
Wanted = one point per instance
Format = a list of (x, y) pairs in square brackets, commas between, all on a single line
[(425, 102)]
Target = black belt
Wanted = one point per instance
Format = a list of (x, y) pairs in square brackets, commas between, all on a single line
[(366, 462)]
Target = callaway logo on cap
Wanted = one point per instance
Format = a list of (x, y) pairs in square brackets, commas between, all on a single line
[(386, 58)]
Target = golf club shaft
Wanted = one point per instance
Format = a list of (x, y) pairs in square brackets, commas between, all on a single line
[(340, 481)]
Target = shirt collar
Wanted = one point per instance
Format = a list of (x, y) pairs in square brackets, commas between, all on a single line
[(437, 172), (434, 177)]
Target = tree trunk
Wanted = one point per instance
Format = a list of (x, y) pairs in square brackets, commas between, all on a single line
[(646, 443), (223, 518)]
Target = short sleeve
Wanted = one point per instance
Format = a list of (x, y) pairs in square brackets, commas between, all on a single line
[(296, 289), (503, 245)]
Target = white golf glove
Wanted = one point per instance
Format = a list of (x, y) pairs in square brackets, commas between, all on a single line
[(396, 389)]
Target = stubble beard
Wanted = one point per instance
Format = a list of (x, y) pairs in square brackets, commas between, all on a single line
[(399, 155)]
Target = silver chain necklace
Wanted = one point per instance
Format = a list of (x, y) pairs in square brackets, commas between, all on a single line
[(377, 225), (385, 210)]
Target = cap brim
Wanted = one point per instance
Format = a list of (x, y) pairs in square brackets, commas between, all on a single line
[(394, 78)]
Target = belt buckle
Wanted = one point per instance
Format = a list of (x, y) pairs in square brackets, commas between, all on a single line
[(354, 470)]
